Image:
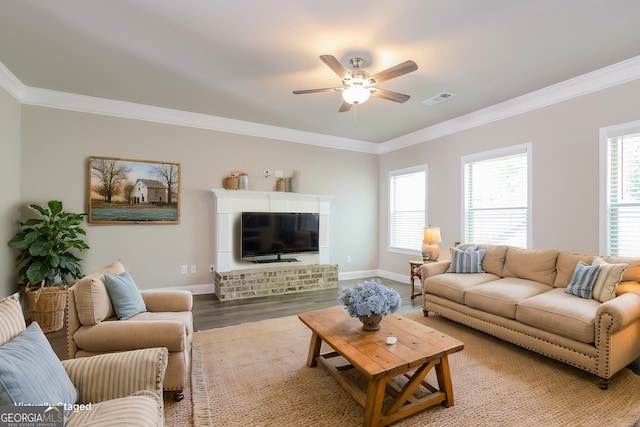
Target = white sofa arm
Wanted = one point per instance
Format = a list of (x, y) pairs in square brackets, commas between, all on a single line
[(624, 310), (433, 268)]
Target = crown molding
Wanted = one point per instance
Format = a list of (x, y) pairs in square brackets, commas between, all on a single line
[(613, 75), (88, 104), (10, 83), (130, 110), (603, 78)]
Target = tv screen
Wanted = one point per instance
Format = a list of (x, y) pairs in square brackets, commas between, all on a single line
[(267, 236)]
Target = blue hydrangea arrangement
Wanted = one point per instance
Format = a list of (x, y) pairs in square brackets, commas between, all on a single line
[(368, 298)]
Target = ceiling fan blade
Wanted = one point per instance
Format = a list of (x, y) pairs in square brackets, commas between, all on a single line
[(398, 70), (391, 96), (335, 65), (344, 107), (326, 89)]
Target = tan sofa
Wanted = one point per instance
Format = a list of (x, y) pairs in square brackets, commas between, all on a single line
[(112, 389), (93, 328), (521, 298)]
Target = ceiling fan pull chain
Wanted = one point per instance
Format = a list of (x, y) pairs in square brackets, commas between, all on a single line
[(355, 115)]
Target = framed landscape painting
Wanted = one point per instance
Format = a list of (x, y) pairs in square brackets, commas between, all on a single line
[(133, 191)]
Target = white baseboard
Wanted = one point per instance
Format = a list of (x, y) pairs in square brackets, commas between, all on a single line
[(353, 275), (368, 274), (402, 278)]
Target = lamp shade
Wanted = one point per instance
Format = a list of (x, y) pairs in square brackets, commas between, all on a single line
[(355, 94), (432, 235)]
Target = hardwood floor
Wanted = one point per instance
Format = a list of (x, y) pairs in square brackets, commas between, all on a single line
[(209, 312)]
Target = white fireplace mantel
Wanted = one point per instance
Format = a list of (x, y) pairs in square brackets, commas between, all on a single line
[(229, 204)]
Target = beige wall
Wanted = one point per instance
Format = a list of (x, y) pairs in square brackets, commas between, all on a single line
[(49, 153), (57, 143), (565, 174), (9, 188)]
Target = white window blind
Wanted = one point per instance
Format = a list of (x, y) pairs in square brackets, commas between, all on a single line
[(407, 205), (496, 197), (623, 195)]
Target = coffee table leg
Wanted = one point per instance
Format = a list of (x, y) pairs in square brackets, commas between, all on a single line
[(373, 404), (314, 350), (444, 380)]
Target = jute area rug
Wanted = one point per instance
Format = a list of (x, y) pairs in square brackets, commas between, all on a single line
[(255, 375)]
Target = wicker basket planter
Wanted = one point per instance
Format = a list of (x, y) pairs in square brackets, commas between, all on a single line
[(47, 306)]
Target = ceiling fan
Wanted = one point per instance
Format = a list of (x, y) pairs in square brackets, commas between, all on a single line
[(358, 85)]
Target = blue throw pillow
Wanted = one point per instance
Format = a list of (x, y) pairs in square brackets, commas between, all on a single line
[(467, 261), (125, 296), (583, 280), (31, 373)]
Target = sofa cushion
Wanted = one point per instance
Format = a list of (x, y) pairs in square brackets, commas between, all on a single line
[(608, 279), (531, 264), (560, 313), (466, 261), (628, 286), (584, 277), (124, 294), (92, 299), (453, 286), (185, 317), (494, 258), (502, 296), (633, 270), (141, 409), (566, 265), (31, 373)]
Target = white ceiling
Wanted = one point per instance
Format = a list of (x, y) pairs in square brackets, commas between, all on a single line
[(241, 59)]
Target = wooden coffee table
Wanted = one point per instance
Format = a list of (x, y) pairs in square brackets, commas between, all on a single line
[(418, 350)]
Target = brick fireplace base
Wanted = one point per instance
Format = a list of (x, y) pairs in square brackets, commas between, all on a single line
[(258, 282)]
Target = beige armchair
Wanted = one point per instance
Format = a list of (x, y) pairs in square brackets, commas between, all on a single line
[(119, 388), (93, 328)]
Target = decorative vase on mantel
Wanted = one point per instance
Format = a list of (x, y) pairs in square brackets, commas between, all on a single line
[(371, 323)]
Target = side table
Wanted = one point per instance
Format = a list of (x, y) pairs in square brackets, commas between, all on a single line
[(415, 273)]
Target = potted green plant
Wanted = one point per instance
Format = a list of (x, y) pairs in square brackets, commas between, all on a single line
[(47, 261)]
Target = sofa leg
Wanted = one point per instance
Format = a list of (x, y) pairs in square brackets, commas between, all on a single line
[(604, 383), (425, 312), (178, 395)]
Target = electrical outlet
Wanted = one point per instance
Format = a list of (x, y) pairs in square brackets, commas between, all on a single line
[(183, 269), (348, 258), (211, 268), (193, 269)]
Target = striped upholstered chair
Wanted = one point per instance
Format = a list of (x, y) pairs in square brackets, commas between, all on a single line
[(112, 389)]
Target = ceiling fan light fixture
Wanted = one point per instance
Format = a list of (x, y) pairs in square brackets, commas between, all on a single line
[(356, 94)]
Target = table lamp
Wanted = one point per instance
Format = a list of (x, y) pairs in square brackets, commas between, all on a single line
[(431, 251)]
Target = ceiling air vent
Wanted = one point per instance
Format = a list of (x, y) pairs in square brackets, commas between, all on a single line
[(438, 98)]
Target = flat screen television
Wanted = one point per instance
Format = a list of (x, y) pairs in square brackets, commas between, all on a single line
[(268, 236)]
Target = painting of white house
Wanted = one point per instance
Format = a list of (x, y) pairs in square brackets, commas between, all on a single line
[(133, 191)]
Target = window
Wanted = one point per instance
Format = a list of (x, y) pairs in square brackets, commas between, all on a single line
[(407, 209), (496, 197), (622, 196)]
